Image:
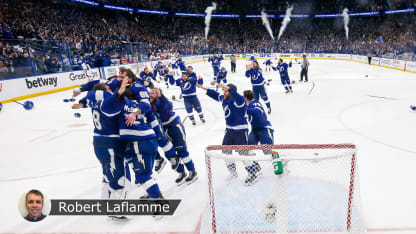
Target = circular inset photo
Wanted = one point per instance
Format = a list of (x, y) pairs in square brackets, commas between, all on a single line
[(34, 206)]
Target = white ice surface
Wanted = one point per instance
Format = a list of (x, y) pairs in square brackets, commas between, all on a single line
[(48, 149)]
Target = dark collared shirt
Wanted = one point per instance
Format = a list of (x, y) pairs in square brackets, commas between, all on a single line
[(34, 219)]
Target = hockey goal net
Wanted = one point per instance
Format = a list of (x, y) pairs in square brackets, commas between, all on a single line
[(318, 191)]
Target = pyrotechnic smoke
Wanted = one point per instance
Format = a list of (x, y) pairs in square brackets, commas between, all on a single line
[(208, 15), (266, 23), (346, 21), (286, 21)]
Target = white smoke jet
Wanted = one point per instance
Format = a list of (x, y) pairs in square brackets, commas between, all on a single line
[(266, 23), (346, 21), (208, 15), (286, 21)]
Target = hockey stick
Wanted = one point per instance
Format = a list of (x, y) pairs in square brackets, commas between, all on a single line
[(183, 121), (381, 97), (313, 86), (18, 102)]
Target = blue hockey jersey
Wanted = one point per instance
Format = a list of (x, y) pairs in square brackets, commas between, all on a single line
[(164, 108), (141, 92), (268, 61), (164, 72), (257, 116), (234, 109), (147, 76), (222, 75), (181, 65), (158, 68), (104, 126), (215, 61), (255, 76), (121, 107), (188, 87), (282, 68)]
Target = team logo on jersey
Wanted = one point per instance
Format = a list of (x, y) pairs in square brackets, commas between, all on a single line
[(187, 86), (256, 76), (227, 111)]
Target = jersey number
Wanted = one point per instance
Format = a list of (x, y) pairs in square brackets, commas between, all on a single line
[(144, 94), (96, 120)]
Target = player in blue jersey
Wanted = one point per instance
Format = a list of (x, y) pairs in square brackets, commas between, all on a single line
[(188, 84), (261, 128), (175, 132), (174, 66), (268, 63), (284, 76), (181, 65), (216, 63), (108, 149), (158, 68), (254, 72), (222, 76), (141, 94), (163, 73), (146, 77), (236, 131), (140, 138)]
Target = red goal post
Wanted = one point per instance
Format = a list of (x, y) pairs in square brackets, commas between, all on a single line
[(320, 178)]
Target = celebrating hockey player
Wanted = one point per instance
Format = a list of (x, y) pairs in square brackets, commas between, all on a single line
[(236, 132), (140, 139), (268, 63), (284, 76), (254, 72), (146, 77), (175, 131), (188, 84), (181, 65), (261, 128), (222, 76), (107, 146), (216, 63)]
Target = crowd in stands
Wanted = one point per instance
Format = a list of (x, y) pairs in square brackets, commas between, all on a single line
[(38, 37)]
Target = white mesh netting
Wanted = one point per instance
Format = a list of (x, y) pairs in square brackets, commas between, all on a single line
[(318, 191)]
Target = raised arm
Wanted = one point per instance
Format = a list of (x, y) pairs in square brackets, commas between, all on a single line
[(86, 87), (239, 101)]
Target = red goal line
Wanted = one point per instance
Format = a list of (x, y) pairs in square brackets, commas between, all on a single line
[(283, 146)]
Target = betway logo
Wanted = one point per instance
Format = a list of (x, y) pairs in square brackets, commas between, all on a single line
[(40, 82)]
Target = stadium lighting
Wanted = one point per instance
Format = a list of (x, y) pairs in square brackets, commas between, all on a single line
[(189, 14), (144, 11), (225, 15), (118, 8), (364, 13), (259, 16), (295, 16), (400, 11), (92, 3), (327, 15)]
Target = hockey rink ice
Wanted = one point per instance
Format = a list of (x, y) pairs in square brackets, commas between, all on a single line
[(49, 149)]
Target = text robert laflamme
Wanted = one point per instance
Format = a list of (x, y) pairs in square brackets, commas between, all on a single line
[(114, 207)]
